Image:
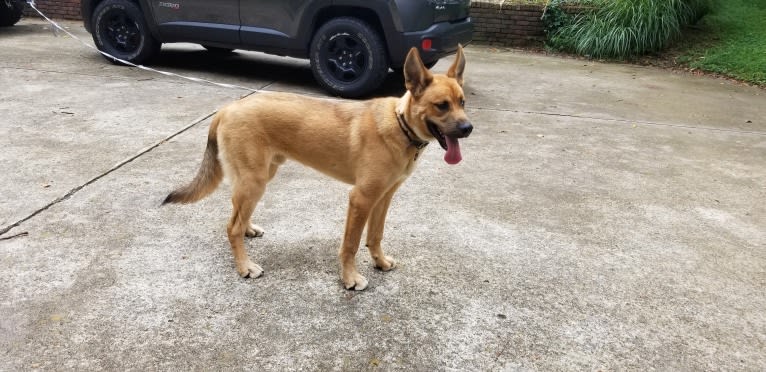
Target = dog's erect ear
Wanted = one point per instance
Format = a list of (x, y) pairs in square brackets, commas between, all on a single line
[(416, 75), (456, 70)]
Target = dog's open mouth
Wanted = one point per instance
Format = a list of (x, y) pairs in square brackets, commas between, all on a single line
[(448, 143)]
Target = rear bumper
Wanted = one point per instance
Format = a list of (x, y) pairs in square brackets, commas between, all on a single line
[(445, 37)]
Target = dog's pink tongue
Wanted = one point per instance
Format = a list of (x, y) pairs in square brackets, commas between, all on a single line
[(453, 151)]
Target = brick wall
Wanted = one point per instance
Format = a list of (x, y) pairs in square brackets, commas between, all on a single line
[(56, 9), (495, 23), (498, 24)]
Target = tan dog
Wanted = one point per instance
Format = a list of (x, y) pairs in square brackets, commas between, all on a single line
[(373, 145)]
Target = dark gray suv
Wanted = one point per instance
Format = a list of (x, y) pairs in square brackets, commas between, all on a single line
[(351, 43)]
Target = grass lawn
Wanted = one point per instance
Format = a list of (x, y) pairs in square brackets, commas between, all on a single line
[(732, 41)]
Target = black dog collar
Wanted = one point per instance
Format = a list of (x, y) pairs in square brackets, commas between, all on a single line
[(414, 140)]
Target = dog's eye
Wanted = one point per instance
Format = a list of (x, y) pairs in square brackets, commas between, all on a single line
[(462, 102), (443, 106)]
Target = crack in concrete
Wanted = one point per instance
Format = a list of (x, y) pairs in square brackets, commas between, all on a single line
[(117, 166), (653, 123), (102, 175)]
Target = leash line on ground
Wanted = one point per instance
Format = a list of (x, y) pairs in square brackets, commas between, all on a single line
[(652, 123)]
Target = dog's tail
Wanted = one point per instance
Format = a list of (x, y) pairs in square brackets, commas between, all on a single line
[(208, 176)]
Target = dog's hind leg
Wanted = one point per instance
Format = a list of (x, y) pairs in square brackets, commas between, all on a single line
[(375, 228), (255, 231), (246, 192)]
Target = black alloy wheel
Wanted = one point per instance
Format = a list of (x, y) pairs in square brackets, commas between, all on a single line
[(122, 33), (348, 57), (119, 29), (344, 57)]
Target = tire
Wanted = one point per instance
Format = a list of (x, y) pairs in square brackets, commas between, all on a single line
[(120, 30), (348, 57), (10, 14)]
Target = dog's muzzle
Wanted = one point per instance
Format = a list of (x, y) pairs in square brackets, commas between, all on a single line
[(465, 128), (449, 141)]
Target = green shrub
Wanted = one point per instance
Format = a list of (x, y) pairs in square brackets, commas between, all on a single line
[(625, 28), (693, 10), (555, 17)]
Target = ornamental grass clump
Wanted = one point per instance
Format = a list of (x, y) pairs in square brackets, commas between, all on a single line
[(625, 28)]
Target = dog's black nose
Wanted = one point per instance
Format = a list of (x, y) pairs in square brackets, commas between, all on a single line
[(465, 128)]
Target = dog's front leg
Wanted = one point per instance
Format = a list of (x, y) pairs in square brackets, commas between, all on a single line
[(375, 228), (359, 206)]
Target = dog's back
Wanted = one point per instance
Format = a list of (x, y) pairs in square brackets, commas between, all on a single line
[(324, 134)]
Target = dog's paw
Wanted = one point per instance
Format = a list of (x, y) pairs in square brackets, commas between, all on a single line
[(254, 231), (354, 281), (385, 263), (249, 270)]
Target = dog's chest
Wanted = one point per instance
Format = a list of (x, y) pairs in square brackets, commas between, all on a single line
[(411, 164)]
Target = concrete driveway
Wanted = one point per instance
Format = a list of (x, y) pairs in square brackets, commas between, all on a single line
[(605, 217)]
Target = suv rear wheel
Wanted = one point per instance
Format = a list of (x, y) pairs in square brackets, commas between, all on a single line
[(119, 29), (10, 12), (348, 57)]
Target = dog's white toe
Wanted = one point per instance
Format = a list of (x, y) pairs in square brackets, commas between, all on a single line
[(254, 231), (357, 283), (251, 270), (385, 264)]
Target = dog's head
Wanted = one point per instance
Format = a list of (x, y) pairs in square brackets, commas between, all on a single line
[(437, 105)]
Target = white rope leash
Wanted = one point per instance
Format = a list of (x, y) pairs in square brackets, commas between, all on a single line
[(56, 26)]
